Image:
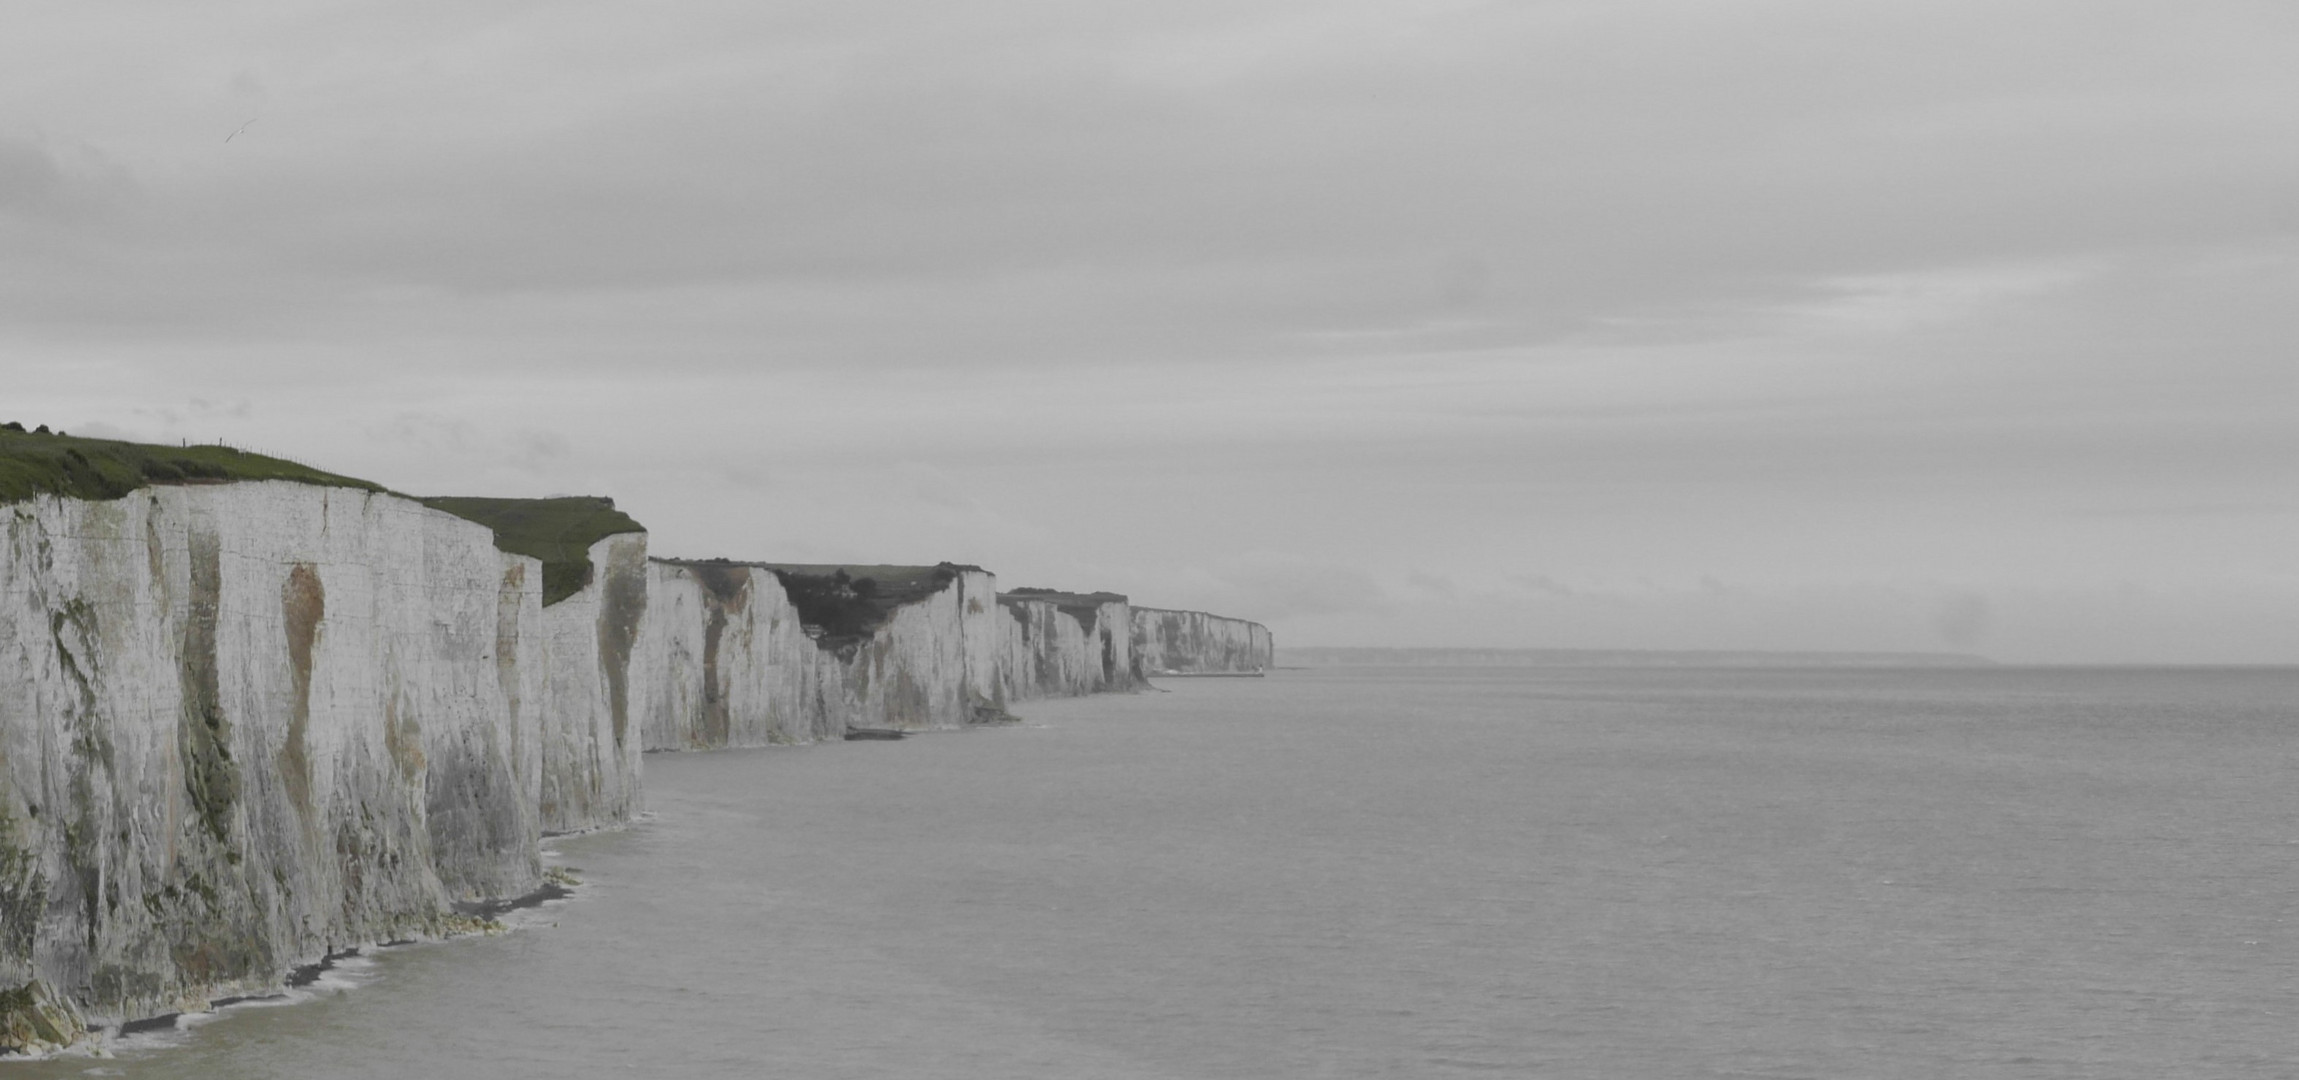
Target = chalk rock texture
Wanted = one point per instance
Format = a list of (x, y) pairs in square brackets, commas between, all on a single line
[(727, 662), (594, 685), (1193, 642), (1064, 645), (730, 663), (245, 724), (914, 674)]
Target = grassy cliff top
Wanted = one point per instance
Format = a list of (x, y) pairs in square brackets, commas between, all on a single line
[(35, 463), (558, 531), (1058, 596), (1084, 607), (923, 579)]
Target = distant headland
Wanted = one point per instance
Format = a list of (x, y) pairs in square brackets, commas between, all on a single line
[(1332, 656)]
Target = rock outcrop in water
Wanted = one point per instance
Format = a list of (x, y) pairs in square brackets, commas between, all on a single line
[(247, 724), (1195, 643)]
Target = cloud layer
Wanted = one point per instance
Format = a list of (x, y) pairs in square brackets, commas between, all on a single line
[(1352, 315)]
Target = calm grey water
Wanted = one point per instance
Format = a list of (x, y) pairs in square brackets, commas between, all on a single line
[(1407, 873)]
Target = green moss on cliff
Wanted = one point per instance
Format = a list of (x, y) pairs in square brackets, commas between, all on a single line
[(34, 464), (559, 531)]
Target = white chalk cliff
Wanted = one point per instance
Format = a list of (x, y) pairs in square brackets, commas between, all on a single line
[(244, 725), (1196, 643)]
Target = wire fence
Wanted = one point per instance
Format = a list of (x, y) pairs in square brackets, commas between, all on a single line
[(256, 450)]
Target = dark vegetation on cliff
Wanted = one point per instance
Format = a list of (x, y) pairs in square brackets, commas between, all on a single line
[(846, 602), (39, 463), (558, 531), (1084, 607)]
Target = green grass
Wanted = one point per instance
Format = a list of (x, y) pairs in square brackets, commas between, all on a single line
[(33, 464), (901, 584), (849, 601), (1084, 607), (559, 531)]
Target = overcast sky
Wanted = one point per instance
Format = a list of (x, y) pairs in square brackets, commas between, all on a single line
[(1792, 324)]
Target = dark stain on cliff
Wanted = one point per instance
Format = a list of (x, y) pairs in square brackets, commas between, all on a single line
[(211, 777), (908, 706), (155, 552), (302, 605), (73, 630), (508, 603), (621, 602), (76, 622), (726, 592)]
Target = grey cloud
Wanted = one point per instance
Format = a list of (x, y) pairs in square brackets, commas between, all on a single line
[(1543, 584), (1774, 291), (1290, 587), (1963, 619), (429, 431), (1746, 159), (97, 429), (538, 450), (28, 176), (1432, 584)]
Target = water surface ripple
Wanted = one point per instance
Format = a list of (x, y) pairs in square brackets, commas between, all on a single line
[(1409, 873)]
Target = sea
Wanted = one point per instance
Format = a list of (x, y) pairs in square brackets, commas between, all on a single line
[(1368, 872)]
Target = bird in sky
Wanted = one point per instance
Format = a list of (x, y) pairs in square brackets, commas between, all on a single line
[(237, 130)]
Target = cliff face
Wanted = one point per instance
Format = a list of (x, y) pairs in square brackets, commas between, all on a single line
[(731, 663), (913, 673), (1193, 642), (249, 723), (1062, 645), (728, 663), (595, 679)]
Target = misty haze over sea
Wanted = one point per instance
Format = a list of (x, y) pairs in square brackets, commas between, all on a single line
[(1334, 656)]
